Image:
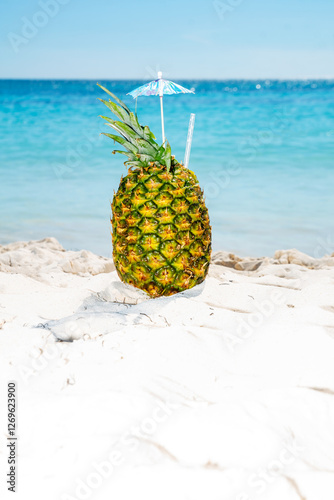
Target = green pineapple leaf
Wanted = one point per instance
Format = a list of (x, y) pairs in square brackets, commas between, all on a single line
[(107, 118), (131, 156), (148, 135), (133, 122), (136, 163), (115, 98), (137, 139), (161, 152), (146, 147), (128, 145), (128, 118), (145, 157), (167, 158), (120, 112), (124, 130)]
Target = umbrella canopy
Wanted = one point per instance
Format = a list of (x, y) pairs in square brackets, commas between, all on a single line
[(160, 87), (157, 86)]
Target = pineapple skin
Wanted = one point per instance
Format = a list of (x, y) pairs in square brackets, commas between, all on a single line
[(161, 231)]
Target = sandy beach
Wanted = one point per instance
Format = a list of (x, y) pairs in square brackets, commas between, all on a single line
[(222, 392)]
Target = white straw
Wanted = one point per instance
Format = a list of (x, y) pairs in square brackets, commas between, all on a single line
[(189, 139)]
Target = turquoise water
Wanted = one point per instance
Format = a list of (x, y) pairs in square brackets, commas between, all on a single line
[(262, 150)]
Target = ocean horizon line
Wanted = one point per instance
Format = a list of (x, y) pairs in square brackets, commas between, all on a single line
[(260, 79)]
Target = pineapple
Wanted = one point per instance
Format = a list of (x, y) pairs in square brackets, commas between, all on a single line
[(161, 232)]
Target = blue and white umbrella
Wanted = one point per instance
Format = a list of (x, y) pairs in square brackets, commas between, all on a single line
[(160, 87)]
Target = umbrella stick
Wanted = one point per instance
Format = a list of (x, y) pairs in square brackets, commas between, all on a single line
[(162, 120), (189, 139)]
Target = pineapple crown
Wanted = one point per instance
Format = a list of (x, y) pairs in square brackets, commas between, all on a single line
[(139, 142)]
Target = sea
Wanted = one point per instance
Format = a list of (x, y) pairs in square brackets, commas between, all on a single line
[(263, 151)]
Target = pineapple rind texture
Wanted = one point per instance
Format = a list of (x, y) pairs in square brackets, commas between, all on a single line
[(161, 231)]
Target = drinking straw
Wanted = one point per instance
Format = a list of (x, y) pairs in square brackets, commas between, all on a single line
[(189, 139), (161, 94)]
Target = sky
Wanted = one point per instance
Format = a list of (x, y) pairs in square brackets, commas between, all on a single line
[(186, 39)]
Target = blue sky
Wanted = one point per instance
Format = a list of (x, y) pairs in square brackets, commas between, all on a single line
[(105, 39)]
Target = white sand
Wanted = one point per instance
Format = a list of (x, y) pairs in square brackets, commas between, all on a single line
[(224, 392)]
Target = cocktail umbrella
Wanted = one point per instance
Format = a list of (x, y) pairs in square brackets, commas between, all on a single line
[(160, 87)]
